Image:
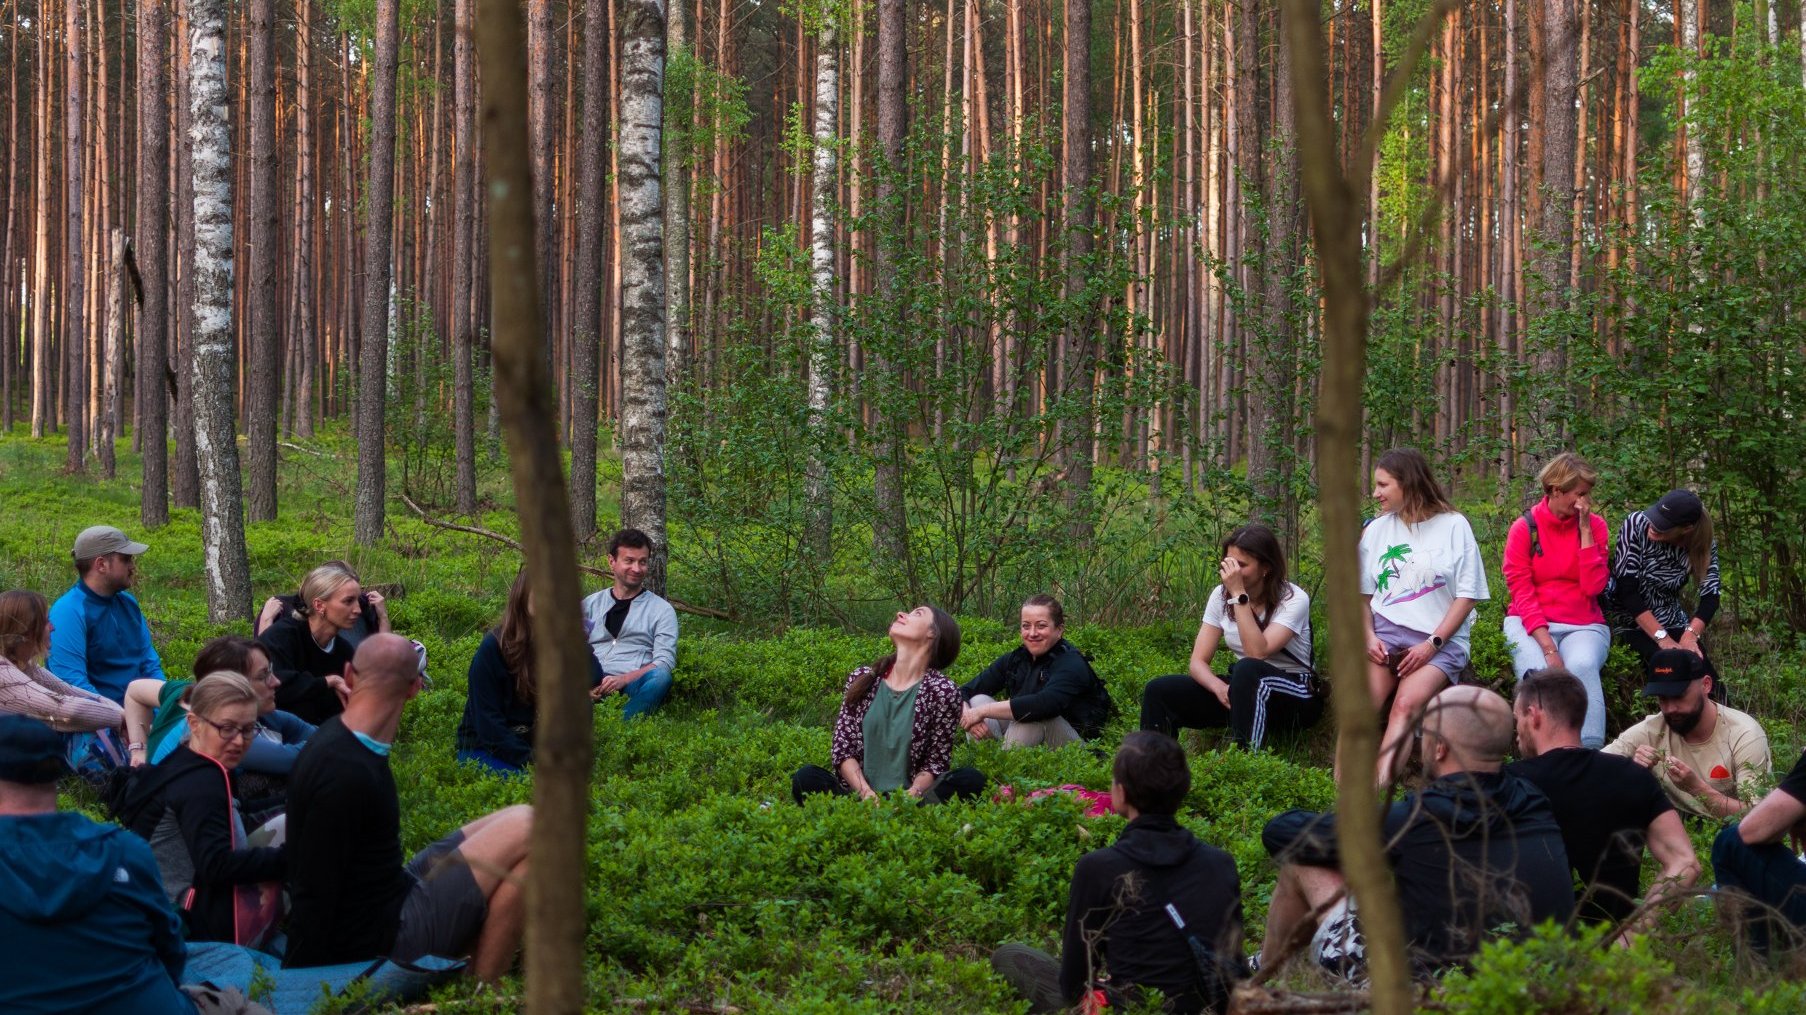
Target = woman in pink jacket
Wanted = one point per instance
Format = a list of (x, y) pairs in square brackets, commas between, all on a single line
[(1555, 568)]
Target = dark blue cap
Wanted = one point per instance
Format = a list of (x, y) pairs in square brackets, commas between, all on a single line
[(30, 751), (1677, 509)]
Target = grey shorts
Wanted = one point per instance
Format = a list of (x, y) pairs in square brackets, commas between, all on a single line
[(1451, 658), (444, 912)]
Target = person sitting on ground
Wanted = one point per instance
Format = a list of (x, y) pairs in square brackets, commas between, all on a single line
[(1707, 756), (86, 923), (1474, 849), (352, 897), (306, 648), (373, 618), (1421, 573), (187, 809), (1555, 567), (1754, 860), (100, 641), (1608, 807), (31, 690), (270, 755), (898, 720), (1051, 694), (500, 709), (1136, 908), (1659, 550), (1266, 621), (632, 629)]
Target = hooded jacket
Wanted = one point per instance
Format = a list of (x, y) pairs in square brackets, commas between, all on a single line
[(184, 807), (1060, 683), (1471, 851), (1119, 900), (86, 925)]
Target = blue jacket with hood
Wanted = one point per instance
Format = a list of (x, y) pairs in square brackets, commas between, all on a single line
[(86, 924)]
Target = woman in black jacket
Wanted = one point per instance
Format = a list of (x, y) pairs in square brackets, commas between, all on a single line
[(307, 645), (184, 806), (1043, 692)]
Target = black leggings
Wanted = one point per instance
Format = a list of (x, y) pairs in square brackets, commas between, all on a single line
[(1263, 699), (961, 784)]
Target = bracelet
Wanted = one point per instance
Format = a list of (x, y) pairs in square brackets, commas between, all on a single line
[(134, 747)]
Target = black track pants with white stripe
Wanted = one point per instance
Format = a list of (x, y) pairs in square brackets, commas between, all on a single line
[(1263, 699)]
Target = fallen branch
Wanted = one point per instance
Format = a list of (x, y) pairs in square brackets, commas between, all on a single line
[(514, 544)]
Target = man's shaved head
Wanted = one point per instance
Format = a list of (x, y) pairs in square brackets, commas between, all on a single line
[(385, 666), (1476, 724)]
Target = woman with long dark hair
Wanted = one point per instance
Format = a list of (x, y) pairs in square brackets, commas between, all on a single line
[(898, 720), (1659, 551), (502, 697), (1266, 622), (1421, 573)]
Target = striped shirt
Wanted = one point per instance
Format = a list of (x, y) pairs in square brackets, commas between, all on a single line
[(32, 690), (1647, 575)]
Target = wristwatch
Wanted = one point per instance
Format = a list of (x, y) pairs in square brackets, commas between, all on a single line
[(1241, 599), (1436, 641), (1659, 635)]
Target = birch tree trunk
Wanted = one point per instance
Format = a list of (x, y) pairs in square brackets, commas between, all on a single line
[(556, 885), (261, 390), (1687, 11), (75, 321), (115, 351), (592, 241), (152, 256), (817, 492), (464, 235), (372, 391), (643, 278), (227, 566), (1334, 208), (677, 215)]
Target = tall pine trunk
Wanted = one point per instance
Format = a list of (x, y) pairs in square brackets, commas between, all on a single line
[(677, 212), (1078, 351), (152, 256), (303, 341), (643, 278), (1549, 258), (817, 492), (185, 484), (463, 315), (43, 395), (367, 523), (890, 528), (592, 243), (75, 320), (227, 566), (261, 387)]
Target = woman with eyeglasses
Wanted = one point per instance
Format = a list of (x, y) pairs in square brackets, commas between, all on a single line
[(187, 809)]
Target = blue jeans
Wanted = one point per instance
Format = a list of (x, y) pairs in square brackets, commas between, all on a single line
[(484, 759), (1583, 648), (1772, 875), (647, 693)]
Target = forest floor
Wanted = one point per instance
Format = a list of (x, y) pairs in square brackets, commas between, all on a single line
[(709, 890)]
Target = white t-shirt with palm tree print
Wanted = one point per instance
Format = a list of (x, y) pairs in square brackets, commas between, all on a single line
[(1414, 572)]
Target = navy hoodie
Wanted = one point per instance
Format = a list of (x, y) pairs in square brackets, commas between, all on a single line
[(85, 921)]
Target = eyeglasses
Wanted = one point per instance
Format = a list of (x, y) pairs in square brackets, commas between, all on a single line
[(231, 731)]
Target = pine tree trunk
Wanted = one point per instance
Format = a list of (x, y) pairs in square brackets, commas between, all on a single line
[(1549, 258), (463, 313), (303, 338), (817, 491), (556, 886), (677, 216), (185, 481), (1272, 370), (1079, 341), (265, 330), (367, 524), (592, 239), (643, 278), (890, 527), (153, 260), (539, 118), (227, 566), (75, 319), (43, 395)]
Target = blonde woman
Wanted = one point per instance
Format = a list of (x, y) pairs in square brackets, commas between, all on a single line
[(307, 647)]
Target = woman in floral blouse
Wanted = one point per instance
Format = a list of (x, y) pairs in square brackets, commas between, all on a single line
[(898, 721)]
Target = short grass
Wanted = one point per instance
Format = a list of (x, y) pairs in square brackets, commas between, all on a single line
[(708, 890)]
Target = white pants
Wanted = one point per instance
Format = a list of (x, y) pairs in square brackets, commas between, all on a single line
[(1583, 648), (1055, 732)]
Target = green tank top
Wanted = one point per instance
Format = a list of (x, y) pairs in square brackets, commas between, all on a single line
[(887, 726)]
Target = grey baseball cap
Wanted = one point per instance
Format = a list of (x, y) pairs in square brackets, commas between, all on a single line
[(100, 540)]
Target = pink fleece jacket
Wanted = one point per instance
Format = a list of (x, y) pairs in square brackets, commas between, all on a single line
[(1562, 584)]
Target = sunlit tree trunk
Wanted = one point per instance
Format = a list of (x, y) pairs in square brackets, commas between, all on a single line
[(464, 234), (185, 481), (367, 522), (75, 320), (265, 329), (152, 256), (226, 564), (592, 242), (818, 493), (1078, 342), (43, 395), (643, 278)]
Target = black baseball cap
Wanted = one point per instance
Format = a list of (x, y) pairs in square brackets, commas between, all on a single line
[(1677, 509), (1670, 671), (30, 752)]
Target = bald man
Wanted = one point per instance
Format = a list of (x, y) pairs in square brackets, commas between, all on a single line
[(351, 896), (1473, 849)]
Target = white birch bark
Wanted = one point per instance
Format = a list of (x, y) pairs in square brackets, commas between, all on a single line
[(114, 398), (817, 492), (227, 566), (643, 277), (1696, 151)]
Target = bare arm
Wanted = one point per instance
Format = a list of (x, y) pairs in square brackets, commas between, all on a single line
[(1673, 852), (854, 774), (141, 701), (1769, 821)]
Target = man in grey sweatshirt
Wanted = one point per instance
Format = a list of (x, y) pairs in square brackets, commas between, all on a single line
[(632, 629)]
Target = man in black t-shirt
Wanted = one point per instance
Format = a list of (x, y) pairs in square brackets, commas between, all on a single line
[(1754, 859), (1474, 849), (351, 896), (1608, 807)]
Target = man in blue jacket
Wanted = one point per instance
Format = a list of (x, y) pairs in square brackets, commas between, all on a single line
[(82, 910), (99, 641)]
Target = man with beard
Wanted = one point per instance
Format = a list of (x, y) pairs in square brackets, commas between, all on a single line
[(1707, 756)]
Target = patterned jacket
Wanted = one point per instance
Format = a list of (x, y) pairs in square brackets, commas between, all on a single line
[(931, 736)]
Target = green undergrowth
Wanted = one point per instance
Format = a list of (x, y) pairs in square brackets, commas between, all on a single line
[(709, 889)]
